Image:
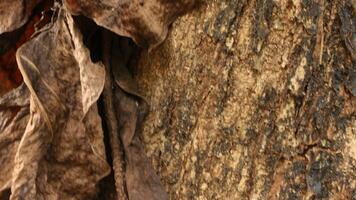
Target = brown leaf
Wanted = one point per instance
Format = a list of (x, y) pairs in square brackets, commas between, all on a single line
[(15, 13), (14, 114), (146, 22), (61, 154), (130, 108), (141, 180), (92, 75)]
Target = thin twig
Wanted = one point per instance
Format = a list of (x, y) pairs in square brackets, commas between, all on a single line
[(112, 123)]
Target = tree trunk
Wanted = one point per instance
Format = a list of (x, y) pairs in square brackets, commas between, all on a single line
[(254, 100)]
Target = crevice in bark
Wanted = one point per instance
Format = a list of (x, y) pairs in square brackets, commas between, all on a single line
[(5, 195)]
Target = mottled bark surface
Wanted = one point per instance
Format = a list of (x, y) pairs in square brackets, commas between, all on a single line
[(254, 100)]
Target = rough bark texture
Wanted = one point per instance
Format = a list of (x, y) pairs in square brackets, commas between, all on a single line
[(254, 100)]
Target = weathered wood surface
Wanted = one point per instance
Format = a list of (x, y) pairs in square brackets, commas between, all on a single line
[(254, 100)]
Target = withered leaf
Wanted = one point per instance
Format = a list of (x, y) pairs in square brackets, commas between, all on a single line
[(57, 151), (61, 154), (14, 115), (146, 22), (15, 13), (141, 180)]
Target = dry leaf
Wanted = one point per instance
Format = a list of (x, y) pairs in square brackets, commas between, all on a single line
[(14, 115), (146, 22), (141, 180), (61, 154), (130, 108), (15, 13), (52, 130)]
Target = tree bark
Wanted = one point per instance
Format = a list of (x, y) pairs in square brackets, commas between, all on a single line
[(254, 100)]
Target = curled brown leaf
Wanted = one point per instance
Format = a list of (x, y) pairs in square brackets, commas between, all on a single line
[(15, 13), (61, 154), (146, 22), (14, 115)]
